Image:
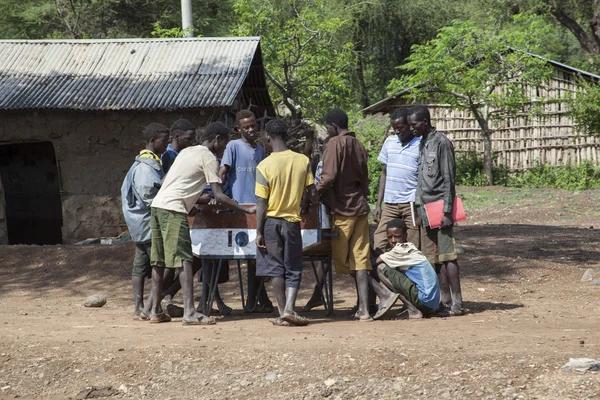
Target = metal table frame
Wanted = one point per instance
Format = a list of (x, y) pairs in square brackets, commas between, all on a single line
[(209, 283)]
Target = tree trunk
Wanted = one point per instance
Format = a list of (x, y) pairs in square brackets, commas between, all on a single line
[(589, 44), (360, 62), (488, 168)]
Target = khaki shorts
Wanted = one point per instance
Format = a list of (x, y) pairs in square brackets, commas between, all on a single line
[(438, 245), (350, 248), (171, 241), (402, 211)]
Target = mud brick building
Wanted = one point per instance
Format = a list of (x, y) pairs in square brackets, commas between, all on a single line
[(72, 113)]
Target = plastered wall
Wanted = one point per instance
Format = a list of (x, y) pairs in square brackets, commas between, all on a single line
[(94, 150)]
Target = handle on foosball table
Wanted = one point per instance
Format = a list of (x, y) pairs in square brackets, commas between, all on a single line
[(230, 211)]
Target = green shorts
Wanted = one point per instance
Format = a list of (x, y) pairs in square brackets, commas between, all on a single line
[(141, 261), (405, 287), (171, 241), (438, 245)]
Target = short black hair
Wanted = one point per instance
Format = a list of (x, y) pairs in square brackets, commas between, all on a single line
[(215, 129), (337, 117), (154, 131), (244, 114), (182, 126), (421, 112), (399, 113), (277, 128), (397, 223)]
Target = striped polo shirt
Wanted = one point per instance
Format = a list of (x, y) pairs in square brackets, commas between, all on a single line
[(402, 169)]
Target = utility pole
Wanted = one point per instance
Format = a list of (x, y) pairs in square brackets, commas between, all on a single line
[(187, 22)]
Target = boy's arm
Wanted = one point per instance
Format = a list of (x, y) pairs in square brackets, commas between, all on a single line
[(330, 171), (261, 212), (223, 171), (224, 199), (146, 184), (448, 171), (380, 193)]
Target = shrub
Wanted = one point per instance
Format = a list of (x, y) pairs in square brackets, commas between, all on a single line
[(372, 131), (469, 170), (569, 177)]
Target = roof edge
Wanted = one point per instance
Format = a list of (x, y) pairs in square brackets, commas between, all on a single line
[(132, 40)]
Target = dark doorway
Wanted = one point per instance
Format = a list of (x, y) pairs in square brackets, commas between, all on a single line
[(32, 193)]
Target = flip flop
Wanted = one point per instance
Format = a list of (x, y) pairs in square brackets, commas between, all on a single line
[(370, 319), (387, 306), (449, 312), (159, 318), (279, 322), (226, 311), (204, 320), (294, 319), (140, 317)]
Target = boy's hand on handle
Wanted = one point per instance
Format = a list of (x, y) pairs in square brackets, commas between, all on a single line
[(193, 212), (250, 210), (260, 241)]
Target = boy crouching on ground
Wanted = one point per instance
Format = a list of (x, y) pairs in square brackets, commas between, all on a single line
[(139, 188), (281, 180), (406, 271)]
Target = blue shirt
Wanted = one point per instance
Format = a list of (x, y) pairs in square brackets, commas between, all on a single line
[(168, 158), (242, 160), (424, 277), (402, 164)]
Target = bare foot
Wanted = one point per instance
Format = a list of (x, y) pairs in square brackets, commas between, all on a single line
[(410, 314)]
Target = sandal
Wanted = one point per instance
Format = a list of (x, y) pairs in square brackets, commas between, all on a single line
[(451, 312), (385, 307), (294, 319), (159, 318), (204, 320), (279, 322)]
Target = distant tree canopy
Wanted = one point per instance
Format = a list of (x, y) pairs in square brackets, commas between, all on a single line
[(319, 53), (485, 71)]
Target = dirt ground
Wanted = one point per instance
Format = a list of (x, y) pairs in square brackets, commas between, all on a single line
[(526, 251)]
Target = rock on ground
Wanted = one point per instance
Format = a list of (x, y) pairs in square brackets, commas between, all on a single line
[(96, 300)]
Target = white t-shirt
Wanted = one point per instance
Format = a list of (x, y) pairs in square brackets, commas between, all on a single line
[(193, 168)]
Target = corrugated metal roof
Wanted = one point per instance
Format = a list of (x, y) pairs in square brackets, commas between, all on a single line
[(123, 74)]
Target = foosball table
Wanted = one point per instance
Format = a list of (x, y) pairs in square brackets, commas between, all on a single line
[(221, 234)]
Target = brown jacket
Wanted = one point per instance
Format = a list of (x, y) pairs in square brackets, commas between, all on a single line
[(344, 180)]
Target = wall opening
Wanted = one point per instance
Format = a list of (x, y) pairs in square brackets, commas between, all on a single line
[(32, 193)]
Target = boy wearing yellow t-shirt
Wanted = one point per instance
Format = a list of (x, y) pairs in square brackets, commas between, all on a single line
[(281, 180)]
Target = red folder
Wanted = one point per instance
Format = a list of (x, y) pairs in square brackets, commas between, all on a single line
[(435, 212)]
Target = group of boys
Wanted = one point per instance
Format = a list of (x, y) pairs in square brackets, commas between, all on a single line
[(156, 208)]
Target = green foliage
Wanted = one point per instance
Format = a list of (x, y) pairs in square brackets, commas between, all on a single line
[(469, 171), (581, 177), (470, 67), (584, 106), (306, 59), (372, 131), (161, 32)]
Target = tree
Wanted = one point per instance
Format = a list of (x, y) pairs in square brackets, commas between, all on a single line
[(584, 106), (306, 62), (582, 18), (481, 70)]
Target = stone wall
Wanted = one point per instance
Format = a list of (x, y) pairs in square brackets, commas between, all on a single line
[(94, 150)]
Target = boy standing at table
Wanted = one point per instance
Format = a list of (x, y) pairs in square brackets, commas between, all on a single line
[(281, 180)]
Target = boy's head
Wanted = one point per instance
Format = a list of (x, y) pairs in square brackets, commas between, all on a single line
[(183, 134), (336, 120), (276, 130), (216, 136), (157, 137), (399, 123), (396, 231), (245, 124), (419, 120)]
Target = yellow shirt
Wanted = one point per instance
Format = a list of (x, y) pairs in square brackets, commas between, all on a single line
[(281, 179)]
